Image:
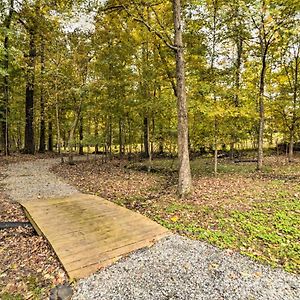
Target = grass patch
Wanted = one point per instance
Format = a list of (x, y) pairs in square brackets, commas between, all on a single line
[(269, 232)]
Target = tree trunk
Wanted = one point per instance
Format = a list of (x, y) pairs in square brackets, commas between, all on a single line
[(216, 146), (185, 178), (109, 135), (291, 145), (216, 160), (29, 105), (4, 109), (146, 138), (72, 133), (81, 136), (96, 137), (58, 137), (238, 67), (261, 112), (129, 137), (161, 140), (50, 136), (42, 146), (121, 139), (295, 104)]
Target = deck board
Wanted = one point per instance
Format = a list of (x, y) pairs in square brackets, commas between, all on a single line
[(88, 232)]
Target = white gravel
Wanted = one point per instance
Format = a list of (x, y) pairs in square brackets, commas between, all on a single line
[(174, 268), (179, 268), (32, 179)]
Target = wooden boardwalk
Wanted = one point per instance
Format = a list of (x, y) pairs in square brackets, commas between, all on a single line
[(88, 232)]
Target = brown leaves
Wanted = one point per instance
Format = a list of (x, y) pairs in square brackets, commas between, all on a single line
[(28, 267), (111, 181)]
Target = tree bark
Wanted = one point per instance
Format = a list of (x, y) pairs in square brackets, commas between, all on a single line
[(50, 136), (96, 134), (291, 145), (261, 111), (146, 138), (185, 178), (295, 104), (58, 136), (81, 136), (4, 109), (42, 146), (121, 138), (29, 105)]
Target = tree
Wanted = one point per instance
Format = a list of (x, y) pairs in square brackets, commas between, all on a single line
[(185, 178), (4, 105), (271, 18)]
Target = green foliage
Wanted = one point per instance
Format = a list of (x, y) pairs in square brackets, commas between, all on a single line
[(34, 287), (8, 296), (268, 237)]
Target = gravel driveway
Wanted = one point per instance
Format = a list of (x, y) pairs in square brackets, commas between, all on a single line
[(174, 268)]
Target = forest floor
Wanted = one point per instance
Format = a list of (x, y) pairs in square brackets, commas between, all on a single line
[(29, 267), (256, 214)]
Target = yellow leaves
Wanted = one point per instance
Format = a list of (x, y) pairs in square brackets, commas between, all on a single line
[(174, 219)]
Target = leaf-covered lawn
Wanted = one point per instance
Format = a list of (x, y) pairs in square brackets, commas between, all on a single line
[(257, 214)]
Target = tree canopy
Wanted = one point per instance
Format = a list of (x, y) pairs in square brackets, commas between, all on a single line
[(103, 74)]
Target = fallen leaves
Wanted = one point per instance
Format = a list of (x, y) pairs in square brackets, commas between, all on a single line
[(28, 266)]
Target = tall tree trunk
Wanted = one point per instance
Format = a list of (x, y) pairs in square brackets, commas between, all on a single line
[(185, 178), (96, 134), (215, 146), (58, 136), (238, 67), (212, 66), (161, 140), (71, 140), (4, 107), (109, 135), (261, 111), (42, 146), (29, 105), (121, 138), (291, 145), (129, 137), (146, 138), (295, 104), (81, 136), (50, 136)]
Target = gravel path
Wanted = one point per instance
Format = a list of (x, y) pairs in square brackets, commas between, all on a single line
[(179, 268), (174, 268), (32, 179)]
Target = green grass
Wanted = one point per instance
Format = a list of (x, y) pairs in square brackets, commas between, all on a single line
[(269, 232)]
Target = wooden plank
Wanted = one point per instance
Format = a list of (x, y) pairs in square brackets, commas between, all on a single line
[(108, 252), (104, 260), (107, 242), (35, 226), (88, 232)]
